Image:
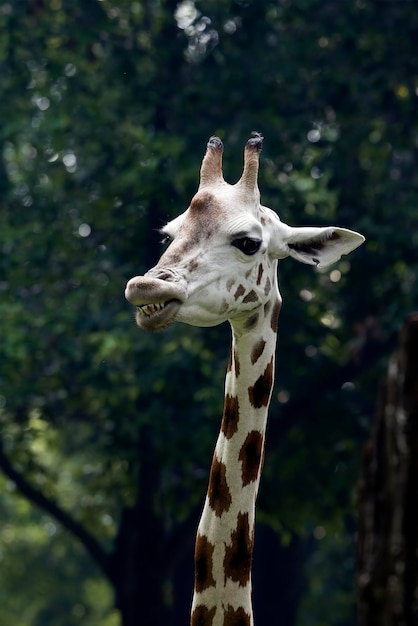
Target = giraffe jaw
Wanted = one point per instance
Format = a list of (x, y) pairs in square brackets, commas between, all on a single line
[(158, 315), (157, 301)]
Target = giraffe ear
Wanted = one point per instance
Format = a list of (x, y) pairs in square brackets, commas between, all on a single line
[(318, 246)]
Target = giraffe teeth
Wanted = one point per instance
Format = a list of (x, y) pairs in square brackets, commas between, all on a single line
[(149, 309)]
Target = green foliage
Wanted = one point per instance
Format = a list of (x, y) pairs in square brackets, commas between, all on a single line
[(45, 573), (105, 112), (330, 571)]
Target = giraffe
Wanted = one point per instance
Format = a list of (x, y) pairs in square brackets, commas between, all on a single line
[(221, 265)]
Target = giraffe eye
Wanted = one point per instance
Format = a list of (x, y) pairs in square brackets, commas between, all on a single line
[(247, 245)]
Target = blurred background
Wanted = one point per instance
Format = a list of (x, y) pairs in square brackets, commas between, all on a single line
[(107, 432)]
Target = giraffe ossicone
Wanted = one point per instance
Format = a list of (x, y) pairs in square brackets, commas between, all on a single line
[(221, 265)]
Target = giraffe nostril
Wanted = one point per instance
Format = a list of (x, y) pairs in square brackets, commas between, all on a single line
[(163, 274)]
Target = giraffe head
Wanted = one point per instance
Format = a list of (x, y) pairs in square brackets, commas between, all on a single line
[(221, 263)]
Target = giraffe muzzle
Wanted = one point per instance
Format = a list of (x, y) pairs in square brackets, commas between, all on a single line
[(157, 301)]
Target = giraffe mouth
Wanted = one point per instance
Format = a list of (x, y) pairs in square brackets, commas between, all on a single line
[(156, 301), (150, 309), (157, 315)]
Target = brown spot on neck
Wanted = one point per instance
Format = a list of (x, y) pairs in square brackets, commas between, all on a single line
[(203, 564), (275, 315), (257, 351), (202, 616), (237, 364), (237, 560), (219, 495), (250, 455), (259, 393), (236, 617), (230, 417), (233, 363)]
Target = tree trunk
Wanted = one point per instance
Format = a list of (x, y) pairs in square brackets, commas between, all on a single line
[(138, 568), (139, 574), (387, 560)]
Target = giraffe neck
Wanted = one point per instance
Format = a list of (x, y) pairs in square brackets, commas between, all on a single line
[(224, 543)]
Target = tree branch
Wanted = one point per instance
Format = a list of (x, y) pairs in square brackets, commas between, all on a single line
[(36, 497)]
